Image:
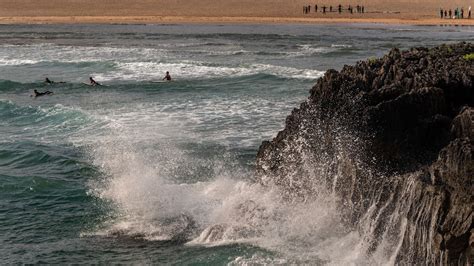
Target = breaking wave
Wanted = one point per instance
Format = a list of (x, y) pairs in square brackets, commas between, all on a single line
[(217, 204)]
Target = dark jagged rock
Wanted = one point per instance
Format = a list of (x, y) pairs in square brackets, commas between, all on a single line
[(393, 139)]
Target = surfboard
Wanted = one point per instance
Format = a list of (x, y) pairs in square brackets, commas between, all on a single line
[(47, 94), (88, 84)]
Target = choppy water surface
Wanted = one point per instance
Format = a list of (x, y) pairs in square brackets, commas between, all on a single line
[(145, 172)]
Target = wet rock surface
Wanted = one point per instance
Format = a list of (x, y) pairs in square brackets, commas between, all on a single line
[(393, 139)]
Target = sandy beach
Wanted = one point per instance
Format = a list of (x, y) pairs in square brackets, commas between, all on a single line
[(204, 20), (419, 12)]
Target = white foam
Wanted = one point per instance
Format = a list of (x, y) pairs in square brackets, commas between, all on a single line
[(156, 70), (199, 70), (138, 63), (227, 209), (222, 211), (16, 62), (35, 53), (145, 165), (259, 259), (341, 45), (287, 72), (310, 49)]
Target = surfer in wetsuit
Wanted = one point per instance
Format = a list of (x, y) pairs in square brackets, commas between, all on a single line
[(167, 76), (37, 93), (48, 81), (93, 82)]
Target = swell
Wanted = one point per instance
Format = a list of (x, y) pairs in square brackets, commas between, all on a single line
[(10, 85), (35, 157), (41, 122), (29, 201), (43, 194), (126, 83)]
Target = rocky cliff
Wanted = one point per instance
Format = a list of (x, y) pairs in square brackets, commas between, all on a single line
[(392, 139)]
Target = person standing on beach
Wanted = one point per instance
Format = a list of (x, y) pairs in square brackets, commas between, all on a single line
[(324, 9), (450, 13), (315, 8), (339, 8), (469, 13), (441, 13)]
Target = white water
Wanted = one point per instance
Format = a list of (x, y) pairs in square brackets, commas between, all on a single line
[(131, 64), (225, 208)]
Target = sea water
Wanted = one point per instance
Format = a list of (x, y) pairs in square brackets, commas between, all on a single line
[(149, 172)]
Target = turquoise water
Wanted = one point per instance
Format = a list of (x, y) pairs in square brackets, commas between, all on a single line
[(145, 172)]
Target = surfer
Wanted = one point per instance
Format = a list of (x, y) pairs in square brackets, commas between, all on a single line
[(167, 76), (93, 82), (38, 94), (48, 81)]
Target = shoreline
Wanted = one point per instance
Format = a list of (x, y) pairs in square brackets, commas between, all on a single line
[(226, 20)]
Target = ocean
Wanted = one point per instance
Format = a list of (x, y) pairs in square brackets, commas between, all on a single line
[(148, 172)]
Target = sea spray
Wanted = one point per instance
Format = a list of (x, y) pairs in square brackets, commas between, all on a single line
[(221, 211)]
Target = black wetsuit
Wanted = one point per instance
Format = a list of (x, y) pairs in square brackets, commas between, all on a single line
[(37, 94)]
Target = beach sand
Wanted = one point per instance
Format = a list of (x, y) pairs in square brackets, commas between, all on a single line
[(425, 12)]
